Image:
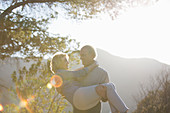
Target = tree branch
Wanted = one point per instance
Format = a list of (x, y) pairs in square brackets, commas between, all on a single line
[(9, 9), (3, 86)]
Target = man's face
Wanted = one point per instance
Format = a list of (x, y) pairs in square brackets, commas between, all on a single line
[(86, 58)]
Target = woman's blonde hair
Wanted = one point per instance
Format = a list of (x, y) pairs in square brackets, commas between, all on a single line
[(56, 61)]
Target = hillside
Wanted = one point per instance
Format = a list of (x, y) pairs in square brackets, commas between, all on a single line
[(128, 74)]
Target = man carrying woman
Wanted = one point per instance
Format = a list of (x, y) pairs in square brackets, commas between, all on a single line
[(86, 87)]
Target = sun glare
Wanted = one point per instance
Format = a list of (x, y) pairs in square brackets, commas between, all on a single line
[(1, 107), (23, 103), (138, 32), (49, 86), (56, 81)]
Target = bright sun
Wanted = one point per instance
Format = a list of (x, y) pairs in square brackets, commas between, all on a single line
[(139, 32), (144, 32)]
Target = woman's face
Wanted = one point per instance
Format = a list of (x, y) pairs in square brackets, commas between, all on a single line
[(65, 62)]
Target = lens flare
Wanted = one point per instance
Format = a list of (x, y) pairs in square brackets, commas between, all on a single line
[(23, 103), (56, 81), (49, 86), (30, 98), (1, 108)]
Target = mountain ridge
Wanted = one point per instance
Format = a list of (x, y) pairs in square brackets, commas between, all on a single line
[(129, 73)]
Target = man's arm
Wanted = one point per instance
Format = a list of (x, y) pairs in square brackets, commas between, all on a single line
[(66, 74), (102, 92)]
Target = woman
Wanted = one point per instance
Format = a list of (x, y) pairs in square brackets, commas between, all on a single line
[(83, 97)]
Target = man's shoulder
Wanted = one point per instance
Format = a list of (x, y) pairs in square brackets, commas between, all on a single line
[(100, 69), (101, 74), (96, 76)]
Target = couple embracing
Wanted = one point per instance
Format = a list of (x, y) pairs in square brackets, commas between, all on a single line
[(87, 87)]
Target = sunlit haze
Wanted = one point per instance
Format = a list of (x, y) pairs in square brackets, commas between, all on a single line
[(1, 108), (141, 32)]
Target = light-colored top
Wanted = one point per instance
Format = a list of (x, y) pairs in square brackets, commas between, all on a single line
[(96, 76), (70, 83)]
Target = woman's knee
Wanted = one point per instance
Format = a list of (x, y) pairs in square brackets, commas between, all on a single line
[(111, 86), (101, 90)]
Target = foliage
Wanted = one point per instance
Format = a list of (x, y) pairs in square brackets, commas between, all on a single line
[(157, 99), (29, 38), (31, 93), (23, 23), (73, 8)]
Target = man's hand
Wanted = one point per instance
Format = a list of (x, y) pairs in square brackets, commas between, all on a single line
[(101, 90)]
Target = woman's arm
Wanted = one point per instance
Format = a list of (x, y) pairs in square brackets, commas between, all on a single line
[(66, 74)]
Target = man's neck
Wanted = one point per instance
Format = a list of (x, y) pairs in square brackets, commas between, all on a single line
[(89, 63)]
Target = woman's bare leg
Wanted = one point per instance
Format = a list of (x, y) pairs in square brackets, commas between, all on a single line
[(115, 99), (101, 90), (108, 91)]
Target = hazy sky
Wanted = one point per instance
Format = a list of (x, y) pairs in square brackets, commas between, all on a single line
[(140, 32)]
